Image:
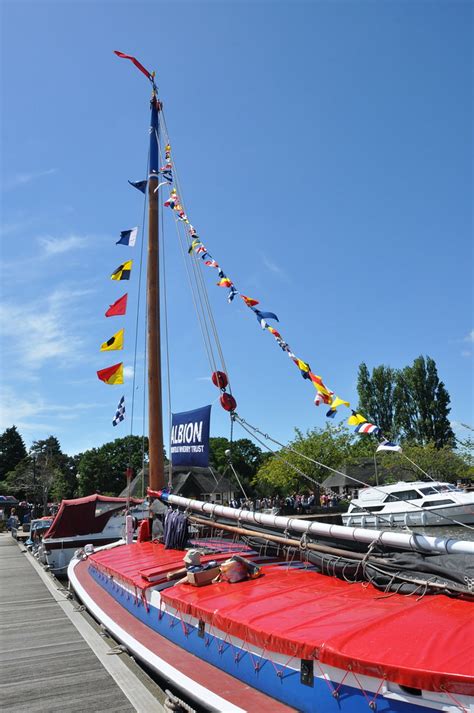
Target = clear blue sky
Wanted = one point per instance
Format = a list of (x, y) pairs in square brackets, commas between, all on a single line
[(325, 154)]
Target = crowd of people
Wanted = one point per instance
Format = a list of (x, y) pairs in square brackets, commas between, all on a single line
[(297, 502)]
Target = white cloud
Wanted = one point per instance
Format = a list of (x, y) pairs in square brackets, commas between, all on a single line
[(274, 268), (22, 179), (466, 353), (42, 330), (57, 246), (25, 412), (128, 372), (469, 337)]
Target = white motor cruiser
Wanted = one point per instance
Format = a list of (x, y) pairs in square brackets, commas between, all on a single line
[(410, 505)]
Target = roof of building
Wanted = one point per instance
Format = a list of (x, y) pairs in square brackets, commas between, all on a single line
[(364, 471), (205, 480)]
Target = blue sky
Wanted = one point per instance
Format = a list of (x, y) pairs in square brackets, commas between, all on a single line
[(325, 155)]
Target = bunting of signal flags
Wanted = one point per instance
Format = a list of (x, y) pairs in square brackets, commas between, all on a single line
[(324, 395), (113, 375)]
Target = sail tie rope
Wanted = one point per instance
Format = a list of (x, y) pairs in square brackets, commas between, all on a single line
[(455, 701), (371, 701)]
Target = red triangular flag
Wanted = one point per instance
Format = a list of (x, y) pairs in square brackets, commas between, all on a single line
[(119, 307)]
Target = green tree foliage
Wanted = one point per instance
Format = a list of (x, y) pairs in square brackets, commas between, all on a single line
[(376, 401), (331, 446), (12, 451), (42, 475), (246, 459), (439, 463), (102, 470), (411, 403), (422, 405)]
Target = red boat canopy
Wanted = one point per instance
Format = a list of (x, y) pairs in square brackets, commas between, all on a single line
[(78, 516)]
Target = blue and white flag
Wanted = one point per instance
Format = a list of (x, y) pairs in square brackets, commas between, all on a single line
[(389, 446), (128, 237), (263, 316), (190, 437), (120, 412), (139, 185), (232, 293)]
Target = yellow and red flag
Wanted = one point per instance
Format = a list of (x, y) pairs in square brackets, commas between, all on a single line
[(249, 301), (112, 374), (225, 282)]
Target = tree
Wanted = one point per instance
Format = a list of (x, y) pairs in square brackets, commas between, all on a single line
[(12, 451), (376, 401), (103, 469), (439, 463), (330, 446), (42, 474), (422, 405), (245, 457)]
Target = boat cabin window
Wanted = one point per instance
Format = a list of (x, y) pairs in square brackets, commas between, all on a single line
[(430, 503), (403, 495), (428, 491)]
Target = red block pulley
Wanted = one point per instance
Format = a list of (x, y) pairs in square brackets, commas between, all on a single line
[(228, 402), (219, 379)]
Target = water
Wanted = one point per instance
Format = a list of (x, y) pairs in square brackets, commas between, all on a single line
[(455, 531), (459, 533)]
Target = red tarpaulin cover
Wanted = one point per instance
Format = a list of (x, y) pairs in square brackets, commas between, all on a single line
[(140, 561), (426, 643), (77, 517)]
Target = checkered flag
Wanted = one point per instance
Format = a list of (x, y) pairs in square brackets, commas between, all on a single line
[(120, 413)]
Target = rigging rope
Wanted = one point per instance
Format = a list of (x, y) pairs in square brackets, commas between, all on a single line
[(198, 287)]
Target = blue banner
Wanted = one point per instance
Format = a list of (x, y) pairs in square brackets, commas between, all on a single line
[(190, 437)]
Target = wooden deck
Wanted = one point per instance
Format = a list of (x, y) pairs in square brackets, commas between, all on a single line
[(46, 664)]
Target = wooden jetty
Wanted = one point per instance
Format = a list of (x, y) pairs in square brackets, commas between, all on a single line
[(52, 656)]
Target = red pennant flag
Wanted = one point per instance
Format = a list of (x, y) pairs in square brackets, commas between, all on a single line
[(118, 307), (135, 62)]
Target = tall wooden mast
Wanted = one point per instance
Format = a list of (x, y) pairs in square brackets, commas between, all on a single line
[(155, 419)]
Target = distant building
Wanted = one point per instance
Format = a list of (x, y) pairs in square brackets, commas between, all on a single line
[(190, 482), (355, 476)]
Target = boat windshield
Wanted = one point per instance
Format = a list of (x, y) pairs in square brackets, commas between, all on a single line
[(434, 490)]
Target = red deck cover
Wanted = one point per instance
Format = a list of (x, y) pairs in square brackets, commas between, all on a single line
[(137, 563), (426, 643)]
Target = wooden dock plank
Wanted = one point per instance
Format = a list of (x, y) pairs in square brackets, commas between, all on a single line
[(45, 664)]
